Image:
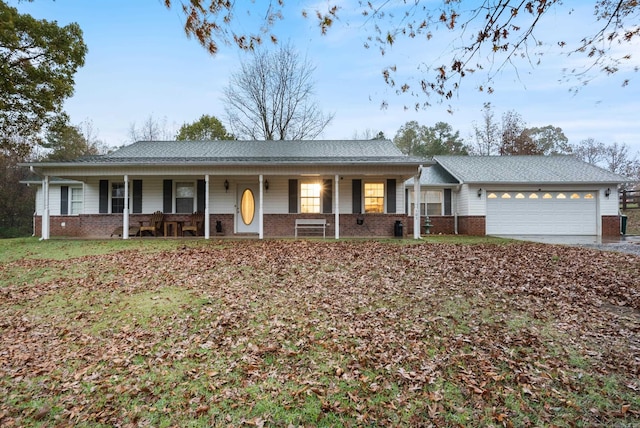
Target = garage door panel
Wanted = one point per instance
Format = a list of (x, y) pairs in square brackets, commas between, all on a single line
[(536, 216)]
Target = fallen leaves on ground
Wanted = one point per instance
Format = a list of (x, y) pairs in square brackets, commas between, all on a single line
[(288, 333)]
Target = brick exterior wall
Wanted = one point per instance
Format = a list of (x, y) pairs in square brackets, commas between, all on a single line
[(282, 225), (440, 225), (275, 225), (472, 225), (610, 225)]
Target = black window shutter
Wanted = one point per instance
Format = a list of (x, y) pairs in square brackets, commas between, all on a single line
[(447, 201), (103, 205), (327, 190), (137, 196), (391, 196), (201, 196), (356, 195), (167, 191), (293, 196), (64, 200)]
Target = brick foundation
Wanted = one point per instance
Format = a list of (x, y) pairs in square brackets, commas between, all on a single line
[(472, 225), (440, 225), (610, 225), (282, 225), (275, 225)]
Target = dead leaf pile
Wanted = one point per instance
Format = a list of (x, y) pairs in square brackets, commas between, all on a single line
[(287, 333)]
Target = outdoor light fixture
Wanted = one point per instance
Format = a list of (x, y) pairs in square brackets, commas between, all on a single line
[(607, 192), (226, 186), (480, 192), (266, 184)]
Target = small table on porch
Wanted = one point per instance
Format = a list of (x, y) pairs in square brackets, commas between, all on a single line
[(173, 227)]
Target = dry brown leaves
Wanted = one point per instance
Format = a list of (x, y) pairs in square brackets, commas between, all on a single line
[(386, 320)]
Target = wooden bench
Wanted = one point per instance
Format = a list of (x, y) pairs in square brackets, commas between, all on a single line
[(311, 224)]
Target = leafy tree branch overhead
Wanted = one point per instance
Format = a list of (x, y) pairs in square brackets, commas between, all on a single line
[(487, 35)]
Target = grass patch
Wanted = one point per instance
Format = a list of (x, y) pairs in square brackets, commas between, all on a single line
[(65, 249), (347, 333), (633, 221)]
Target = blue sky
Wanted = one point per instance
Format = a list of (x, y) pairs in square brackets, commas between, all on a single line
[(140, 63)]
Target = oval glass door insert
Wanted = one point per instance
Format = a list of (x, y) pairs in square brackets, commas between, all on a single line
[(247, 206)]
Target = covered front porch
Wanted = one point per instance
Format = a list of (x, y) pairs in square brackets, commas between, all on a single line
[(248, 188), (232, 206)]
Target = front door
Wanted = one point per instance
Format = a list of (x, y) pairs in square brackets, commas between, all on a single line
[(247, 208)]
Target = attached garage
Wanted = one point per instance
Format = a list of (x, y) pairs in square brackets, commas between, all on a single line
[(548, 213), (524, 195)]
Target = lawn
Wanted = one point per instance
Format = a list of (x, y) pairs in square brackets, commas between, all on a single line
[(317, 333), (633, 221)]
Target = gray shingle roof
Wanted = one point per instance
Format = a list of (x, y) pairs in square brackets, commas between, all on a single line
[(257, 152), (525, 169), (435, 175)]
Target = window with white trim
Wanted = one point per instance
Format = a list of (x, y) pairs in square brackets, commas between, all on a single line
[(430, 202), (374, 197), (310, 197), (185, 197), (75, 200), (117, 198)]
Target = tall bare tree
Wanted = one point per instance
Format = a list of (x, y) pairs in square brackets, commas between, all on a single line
[(618, 159), (152, 129), (487, 134), (270, 98), (590, 150), (368, 134)]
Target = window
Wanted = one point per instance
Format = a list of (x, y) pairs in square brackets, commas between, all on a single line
[(434, 202), (76, 201), (533, 196), (506, 196), (310, 197), (431, 199), (117, 198), (492, 196), (519, 196), (373, 197), (561, 196), (575, 196), (185, 196), (588, 196)]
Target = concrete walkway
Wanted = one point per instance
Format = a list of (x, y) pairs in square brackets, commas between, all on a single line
[(625, 243)]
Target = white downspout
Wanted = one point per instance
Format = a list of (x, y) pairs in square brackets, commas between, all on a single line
[(125, 212), (261, 209), (207, 226), (337, 206), (45, 212), (416, 204)]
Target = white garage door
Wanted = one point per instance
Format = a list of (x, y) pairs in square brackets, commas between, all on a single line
[(541, 213)]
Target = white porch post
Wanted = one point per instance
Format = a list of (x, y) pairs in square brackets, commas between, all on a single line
[(125, 212), (416, 204), (261, 209), (337, 206), (45, 211), (207, 227)]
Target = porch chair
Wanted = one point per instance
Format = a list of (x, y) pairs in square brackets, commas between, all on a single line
[(195, 224), (155, 224)]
